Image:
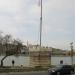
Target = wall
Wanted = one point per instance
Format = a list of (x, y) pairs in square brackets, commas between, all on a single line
[(19, 60), (25, 61), (66, 60)]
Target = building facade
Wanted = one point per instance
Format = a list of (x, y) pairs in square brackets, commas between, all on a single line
[(39, 57)]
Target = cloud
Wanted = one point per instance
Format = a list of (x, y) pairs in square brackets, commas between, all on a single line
[(21, 18)]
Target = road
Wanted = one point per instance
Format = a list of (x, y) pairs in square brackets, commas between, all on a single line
[(27, 73)]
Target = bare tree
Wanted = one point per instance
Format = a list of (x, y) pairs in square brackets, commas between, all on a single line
[(10, 46), (6, 41), (18, 44), (1, 43)]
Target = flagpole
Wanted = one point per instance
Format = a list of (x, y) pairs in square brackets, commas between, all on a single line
[(40, 29), (41, 25)]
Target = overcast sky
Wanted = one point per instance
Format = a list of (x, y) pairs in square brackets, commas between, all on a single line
[(21, 19)]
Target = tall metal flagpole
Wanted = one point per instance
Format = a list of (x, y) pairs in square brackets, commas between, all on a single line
[(41, 24), (40, 29)]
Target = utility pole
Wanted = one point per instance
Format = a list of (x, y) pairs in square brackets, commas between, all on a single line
[(71, 45), (40, 29)]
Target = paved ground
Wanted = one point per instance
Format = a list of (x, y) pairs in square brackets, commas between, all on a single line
[(28, 73)]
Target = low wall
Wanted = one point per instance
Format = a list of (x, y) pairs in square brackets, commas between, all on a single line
[(55, 60), (19, 61)]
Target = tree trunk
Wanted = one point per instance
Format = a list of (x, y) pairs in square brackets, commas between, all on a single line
[(2, 61)]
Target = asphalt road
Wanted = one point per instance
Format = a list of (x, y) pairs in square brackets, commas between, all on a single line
[(28, 73)]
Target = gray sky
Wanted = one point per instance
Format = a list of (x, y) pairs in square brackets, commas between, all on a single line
[(20, 18)]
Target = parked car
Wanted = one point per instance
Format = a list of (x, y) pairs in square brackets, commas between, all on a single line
[(61, 70)]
